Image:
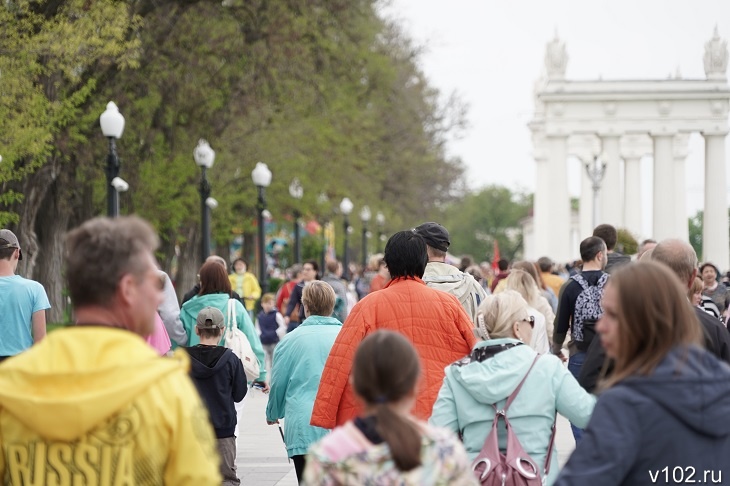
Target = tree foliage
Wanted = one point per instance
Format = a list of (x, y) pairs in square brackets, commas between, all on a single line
[(325, 91), (477, 219)]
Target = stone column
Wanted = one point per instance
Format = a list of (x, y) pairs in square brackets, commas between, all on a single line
[(558, 217), (632, 195), (715, 239), (681, 225), (586, 202), (664, 185), (611, 200), (541, 206)]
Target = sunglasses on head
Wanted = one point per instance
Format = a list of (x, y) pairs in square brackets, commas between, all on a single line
[(530, 320)]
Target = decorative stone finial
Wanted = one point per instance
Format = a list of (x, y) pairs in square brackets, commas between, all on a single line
[(556, 59), (716, 57)]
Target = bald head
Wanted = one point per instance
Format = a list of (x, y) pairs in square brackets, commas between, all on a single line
[(217, 259), (679, 256)]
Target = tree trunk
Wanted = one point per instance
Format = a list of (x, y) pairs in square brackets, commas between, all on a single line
[(35, 188), (187, 262), (51, 226)]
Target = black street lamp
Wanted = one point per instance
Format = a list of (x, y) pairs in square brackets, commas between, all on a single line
[(261, 176), (365, 217), (380, 219), (204, 157), (297, 192), (346, 208), (112, 126)]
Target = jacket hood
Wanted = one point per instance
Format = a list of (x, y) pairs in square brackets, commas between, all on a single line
[(495, 378), (691, 385), (75, 378), (320, 321), (448, 278), (205, 362), (197, 303)]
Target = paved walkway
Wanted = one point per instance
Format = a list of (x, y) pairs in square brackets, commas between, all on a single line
[(262, 459)]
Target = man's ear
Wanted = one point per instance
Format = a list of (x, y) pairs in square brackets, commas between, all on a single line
[(695, 272), (126, 289)]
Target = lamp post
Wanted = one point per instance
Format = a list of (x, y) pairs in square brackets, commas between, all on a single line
[(297, 192), (261, 176), (596, 170), (365, 217), (380, 219), (112, 126), (346, 207), (204, 157)]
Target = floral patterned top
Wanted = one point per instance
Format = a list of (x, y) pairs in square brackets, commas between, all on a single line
[(346, 457)]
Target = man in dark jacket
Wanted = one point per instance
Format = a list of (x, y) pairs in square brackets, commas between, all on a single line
[(609, 235), (681, 258)]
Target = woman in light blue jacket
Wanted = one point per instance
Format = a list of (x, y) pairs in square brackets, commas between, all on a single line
[(215, 291), (493, 371), (299, 359)]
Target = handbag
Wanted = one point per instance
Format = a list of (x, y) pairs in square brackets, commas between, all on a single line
[(235, 340)]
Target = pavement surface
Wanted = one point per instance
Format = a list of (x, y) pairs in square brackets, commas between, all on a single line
[(262, 459)]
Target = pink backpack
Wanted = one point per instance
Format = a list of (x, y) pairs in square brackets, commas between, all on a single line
[(516, 467)]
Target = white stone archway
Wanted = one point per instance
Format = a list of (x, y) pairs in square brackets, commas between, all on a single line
[(620, 122)]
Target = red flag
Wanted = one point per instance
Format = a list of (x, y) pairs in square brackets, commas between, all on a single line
[(495, 257)]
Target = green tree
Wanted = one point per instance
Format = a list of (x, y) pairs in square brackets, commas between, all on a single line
[(695, 232), (478, 219), (322, 90)]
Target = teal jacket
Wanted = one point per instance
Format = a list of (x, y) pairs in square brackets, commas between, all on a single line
[(464, 403), (189, 314), (298, 363)]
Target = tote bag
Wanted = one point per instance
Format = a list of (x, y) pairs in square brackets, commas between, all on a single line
[(236, 341)]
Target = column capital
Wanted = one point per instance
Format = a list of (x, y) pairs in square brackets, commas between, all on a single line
[(664, 132), (714, 133), (604, 134)]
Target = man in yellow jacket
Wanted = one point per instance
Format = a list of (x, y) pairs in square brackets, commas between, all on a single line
[(94, 404)]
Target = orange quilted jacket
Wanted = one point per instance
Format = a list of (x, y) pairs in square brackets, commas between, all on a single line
[(434, 321)]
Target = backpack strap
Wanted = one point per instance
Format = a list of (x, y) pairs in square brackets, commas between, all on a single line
[(581, 281), (551, 445), (513, 395), (602, 281)]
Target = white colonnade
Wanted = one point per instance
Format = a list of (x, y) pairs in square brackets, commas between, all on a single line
[(620, 122)]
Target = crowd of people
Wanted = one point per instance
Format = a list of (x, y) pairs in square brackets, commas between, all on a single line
[(416, 371)]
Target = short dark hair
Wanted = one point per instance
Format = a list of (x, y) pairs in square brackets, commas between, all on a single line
[(6, 253), (210, 333), (608, 234), (503, 264), (242, 260), (101, 251), (214, 279), (545, 264), (590, 247), (405, 255)]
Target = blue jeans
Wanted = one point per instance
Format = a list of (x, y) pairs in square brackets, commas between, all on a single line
[(575, 363)]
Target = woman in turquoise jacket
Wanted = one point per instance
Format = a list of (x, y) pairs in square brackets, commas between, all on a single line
[(299, 359), (215, 291), (491, 374)]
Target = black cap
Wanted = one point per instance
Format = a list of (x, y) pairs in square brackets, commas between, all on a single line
[(435, 235)]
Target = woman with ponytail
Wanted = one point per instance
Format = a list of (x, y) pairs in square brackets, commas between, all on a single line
[(386, 444)]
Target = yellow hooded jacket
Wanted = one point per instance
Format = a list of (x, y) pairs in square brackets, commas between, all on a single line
[(97, 406)]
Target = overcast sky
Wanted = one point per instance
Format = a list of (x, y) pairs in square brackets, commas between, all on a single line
[(491, 52)]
